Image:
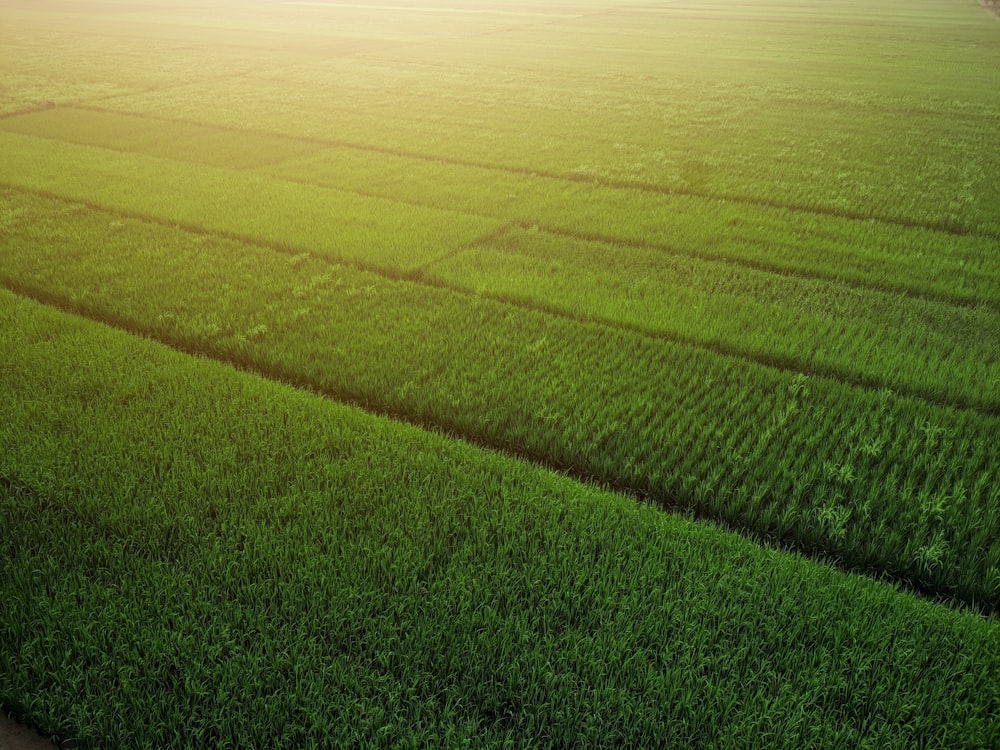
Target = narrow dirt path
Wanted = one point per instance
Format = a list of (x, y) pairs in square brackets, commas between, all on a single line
[(14, 736)]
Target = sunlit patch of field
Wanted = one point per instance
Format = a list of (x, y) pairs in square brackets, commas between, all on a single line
[(736, 262)]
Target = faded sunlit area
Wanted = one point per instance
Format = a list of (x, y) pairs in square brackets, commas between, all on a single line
[(485, 373)]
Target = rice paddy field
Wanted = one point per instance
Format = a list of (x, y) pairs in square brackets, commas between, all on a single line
[(483, 373)]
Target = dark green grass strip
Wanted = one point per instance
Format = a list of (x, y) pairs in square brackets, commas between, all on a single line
[(882, 483), (195, 557)]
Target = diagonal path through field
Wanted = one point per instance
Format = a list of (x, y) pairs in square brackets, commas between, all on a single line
[(731, 236), (220, 542), (803, 461), (447, 270), (637, 186)]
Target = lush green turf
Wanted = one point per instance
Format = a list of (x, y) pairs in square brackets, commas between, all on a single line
[(197, 557), (334, 222), (886, 483), (912, 260), (851, 109), (740, 260), (934, 350)]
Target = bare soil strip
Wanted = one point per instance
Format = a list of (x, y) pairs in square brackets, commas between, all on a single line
[(15, 736)]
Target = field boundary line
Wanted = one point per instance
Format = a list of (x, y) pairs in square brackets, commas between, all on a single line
[(779, 363), (31, 110), (794, 273), (574, 178), (419, 277), (664, 501), (729, 260), (788, 272), (667, 249), (993, 305)]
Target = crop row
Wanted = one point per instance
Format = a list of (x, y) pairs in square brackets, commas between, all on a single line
[(891, 120), (900, 151), (885, 256), (182, 141), (912, 260), (197, 557), (937, 351), (884, 483), (341, 224)]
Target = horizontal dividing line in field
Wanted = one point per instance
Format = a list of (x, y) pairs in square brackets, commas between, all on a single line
[(774, 362), (28, 111), (903, 289), (665, 501), (648, 188), (419, 277), (735, 261), (643, 187), (786, 272), (792, 273)]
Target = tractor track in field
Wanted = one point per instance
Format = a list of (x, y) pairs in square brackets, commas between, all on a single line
[(418, 276), (664, 501), (787, 271), (637, 185), (768, 268)]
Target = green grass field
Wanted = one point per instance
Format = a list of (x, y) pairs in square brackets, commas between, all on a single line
[(432, 374)]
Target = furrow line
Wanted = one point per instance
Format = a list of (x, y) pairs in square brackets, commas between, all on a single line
[(774, 362), (666, 502), (305, 383), (792, 273), (855, 274), (581, 179), (737, 262), (28, 111), (420, 277)]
